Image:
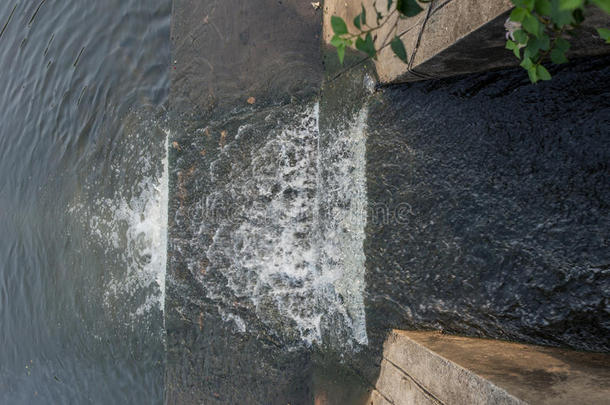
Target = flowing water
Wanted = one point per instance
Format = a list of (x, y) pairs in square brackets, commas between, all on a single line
[(239, 257), (298, 271), (83, 200), (84, 203)]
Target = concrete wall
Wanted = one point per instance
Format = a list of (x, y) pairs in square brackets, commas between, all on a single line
[(429, 368), (451, 37)]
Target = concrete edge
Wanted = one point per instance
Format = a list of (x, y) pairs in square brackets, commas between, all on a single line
[(446, 381)]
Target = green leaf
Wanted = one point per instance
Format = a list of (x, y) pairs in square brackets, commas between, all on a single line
[(544, 43), (604, 33), (357, 22), (543, 7), (560, 17), (518, 14), (338, 25), (532, 48), (531, 53), (527, 63), (366, 45), (558, 56), (336, 41), (520, 36), (363, 14), (570, 4), (390, 2), (517, 52), (542, 73), (341, 53), (562, 44), (603, 4), (360, 44), (370, 46), (410, 8), (399, 49), (531, 72), (578, 15), (513, 46), (527, 4), (531, 25)]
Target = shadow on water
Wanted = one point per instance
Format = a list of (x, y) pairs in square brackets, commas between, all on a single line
[(503, 192)]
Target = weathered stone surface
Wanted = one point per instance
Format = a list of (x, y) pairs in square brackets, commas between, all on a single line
[(483, 48), (399, 388), (377, 399), (452, 37), (226, 51), (446, 381), (459, 370)]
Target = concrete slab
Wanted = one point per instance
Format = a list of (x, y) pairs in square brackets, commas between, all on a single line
[(452, 37), (378, 399), (398, 387), (224, 52), (462, 370)]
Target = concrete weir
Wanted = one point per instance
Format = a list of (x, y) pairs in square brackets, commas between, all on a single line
[(500, 232), (430, 368), (482, 207), (237, 68)]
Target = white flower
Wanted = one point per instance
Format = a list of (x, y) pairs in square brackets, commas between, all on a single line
[(511, 27)]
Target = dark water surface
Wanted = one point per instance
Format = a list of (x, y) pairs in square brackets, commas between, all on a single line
[(82, 86), (502, 189)]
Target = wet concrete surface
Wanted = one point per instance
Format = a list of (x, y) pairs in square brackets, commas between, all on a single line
[(233, 63), (489, 201), (456, 369), (226, 51)]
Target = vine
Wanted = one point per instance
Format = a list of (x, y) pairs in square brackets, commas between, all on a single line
[(537, 30)]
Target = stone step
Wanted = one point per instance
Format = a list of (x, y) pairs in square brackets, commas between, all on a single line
[(433, 368)]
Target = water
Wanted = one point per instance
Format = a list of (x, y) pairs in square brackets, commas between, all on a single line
[(130, 227), (299, 272), (83, 199), (84, 202), (502, 187), (279, 276)]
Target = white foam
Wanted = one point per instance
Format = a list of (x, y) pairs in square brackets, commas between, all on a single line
[(145, 218), (301, 271), (131, 229)]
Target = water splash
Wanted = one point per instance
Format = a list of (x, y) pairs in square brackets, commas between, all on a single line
[(128, 229), (143, 219), (287, 244), (343, 203)]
